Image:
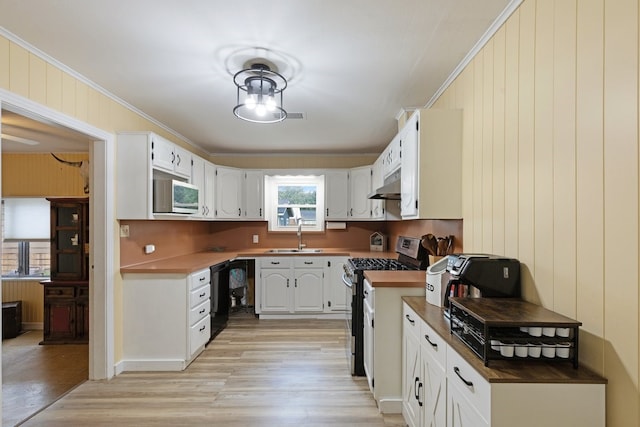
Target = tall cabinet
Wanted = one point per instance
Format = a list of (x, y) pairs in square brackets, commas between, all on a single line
[(66, 294)]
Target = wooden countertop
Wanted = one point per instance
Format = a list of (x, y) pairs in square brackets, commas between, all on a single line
[(396, 279), (503, 371), (187, 264)]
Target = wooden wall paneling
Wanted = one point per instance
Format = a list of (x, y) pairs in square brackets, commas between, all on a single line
[(543, 153), (487, 149), (37, 79), (511, 132), (31, 294), (621, 212), (4, 62), (68, 95), (477, 184), (564, 160), (498, 190), (590, 180), (54, 87), (82, 101), (526, 152), (18, 70), (466, 79)]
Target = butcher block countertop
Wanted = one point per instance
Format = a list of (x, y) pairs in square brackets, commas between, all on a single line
[(396, 279), (187, 264), (503, 371)]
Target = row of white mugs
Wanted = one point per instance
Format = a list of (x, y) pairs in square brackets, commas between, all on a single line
[(509, 349), (536, 331)]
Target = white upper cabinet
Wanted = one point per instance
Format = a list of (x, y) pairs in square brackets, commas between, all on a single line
[(336, 194), (431, 182), (359, 189), (229, 192), (169, 157), (391, 156), (253, 195), (203, 176), (377, 180)]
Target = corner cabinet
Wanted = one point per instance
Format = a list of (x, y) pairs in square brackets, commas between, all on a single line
[(167, 318), (66, 295), (336, 193), (431, 165)]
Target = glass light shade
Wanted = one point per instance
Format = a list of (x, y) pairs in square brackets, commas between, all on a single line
[(259, 95)]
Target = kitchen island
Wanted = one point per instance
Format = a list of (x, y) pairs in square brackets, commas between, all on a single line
[(444, 380)]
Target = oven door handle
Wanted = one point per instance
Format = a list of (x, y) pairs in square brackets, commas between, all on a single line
[(346, 280)]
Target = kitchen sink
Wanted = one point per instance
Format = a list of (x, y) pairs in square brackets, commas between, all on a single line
[(292, 251)]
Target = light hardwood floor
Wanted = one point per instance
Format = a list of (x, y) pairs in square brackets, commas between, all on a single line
[(255, 373)]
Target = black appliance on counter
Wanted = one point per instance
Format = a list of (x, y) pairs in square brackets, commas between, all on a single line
[(411, 256), (482, 275)]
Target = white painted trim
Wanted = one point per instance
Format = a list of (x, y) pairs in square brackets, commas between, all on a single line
[(319, 316), (47, 58), (493, 28), (148, 365), (390, 406), (101, 282)]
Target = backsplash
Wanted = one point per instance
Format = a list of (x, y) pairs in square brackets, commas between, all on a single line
[(175, 238)]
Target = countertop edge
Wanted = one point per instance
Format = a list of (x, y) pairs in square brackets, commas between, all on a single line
[(503, 371)]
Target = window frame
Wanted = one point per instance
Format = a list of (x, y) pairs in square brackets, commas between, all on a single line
[(271, 183)]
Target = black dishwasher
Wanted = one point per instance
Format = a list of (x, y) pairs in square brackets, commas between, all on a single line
[(219, 297)]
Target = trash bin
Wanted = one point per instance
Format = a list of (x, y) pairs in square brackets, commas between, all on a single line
[(238, 285)]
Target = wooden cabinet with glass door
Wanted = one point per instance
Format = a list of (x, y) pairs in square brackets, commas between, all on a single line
[(66, 295)]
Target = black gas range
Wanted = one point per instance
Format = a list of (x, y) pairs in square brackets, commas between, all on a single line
[(411, 256)]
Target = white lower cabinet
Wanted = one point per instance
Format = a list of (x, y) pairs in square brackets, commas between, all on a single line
[(440, 388), (338, 295), (167, 318), (291, 285), (368, 336)]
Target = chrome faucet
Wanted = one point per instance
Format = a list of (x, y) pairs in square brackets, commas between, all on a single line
[(300, 245)]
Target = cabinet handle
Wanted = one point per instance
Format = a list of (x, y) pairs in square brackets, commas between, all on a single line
[(202, 294), (203, 328), (295, 283), (416, 388), (457, 371), (366, 294), (434, 345), (327, 211), (409, 319), (275, 262), (179, 160), (239, 212), (173, 157), (418, 397), (308, 262), (260, 212), (287, 283), (202, 311), (202, 279)]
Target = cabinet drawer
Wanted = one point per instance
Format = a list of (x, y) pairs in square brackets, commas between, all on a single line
[(200, 278), (59, 292), (477, 392), (197, 313), (433, 344), (410, 321), (83, 291), (198, 296), (276, 262), (199, 335), (308, 262)]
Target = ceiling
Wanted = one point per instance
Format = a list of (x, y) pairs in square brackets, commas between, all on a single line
[(352, 66)]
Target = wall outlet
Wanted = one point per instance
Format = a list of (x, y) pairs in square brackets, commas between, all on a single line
[(255, 238), (124, 230)]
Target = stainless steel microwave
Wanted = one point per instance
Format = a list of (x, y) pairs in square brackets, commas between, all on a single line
[(171, 196)]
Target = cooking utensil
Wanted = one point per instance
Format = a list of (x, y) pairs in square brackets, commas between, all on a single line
[(430, 243), (442, 246), (450, 245)]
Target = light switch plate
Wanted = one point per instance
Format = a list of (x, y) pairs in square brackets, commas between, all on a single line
[(124, 230), (256, 239)]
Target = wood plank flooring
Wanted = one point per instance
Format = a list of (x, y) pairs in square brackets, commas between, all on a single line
[(34, 376), (255, 373)]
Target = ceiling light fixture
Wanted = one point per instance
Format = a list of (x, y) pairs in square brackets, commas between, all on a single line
[(261, 89)]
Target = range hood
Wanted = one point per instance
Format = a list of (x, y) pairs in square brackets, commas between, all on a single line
[(390, 190)]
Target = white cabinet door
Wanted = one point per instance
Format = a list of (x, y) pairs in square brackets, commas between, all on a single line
[(169, 157), (253, 194), (434, 389), (308, 290), (368, 341), (377, 180), (228, 194), (338, 293), (411, 377), (459, 412), (409, 174), (359, 189), (276, 284), (336, 193), (393, 155), (209, 189)]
